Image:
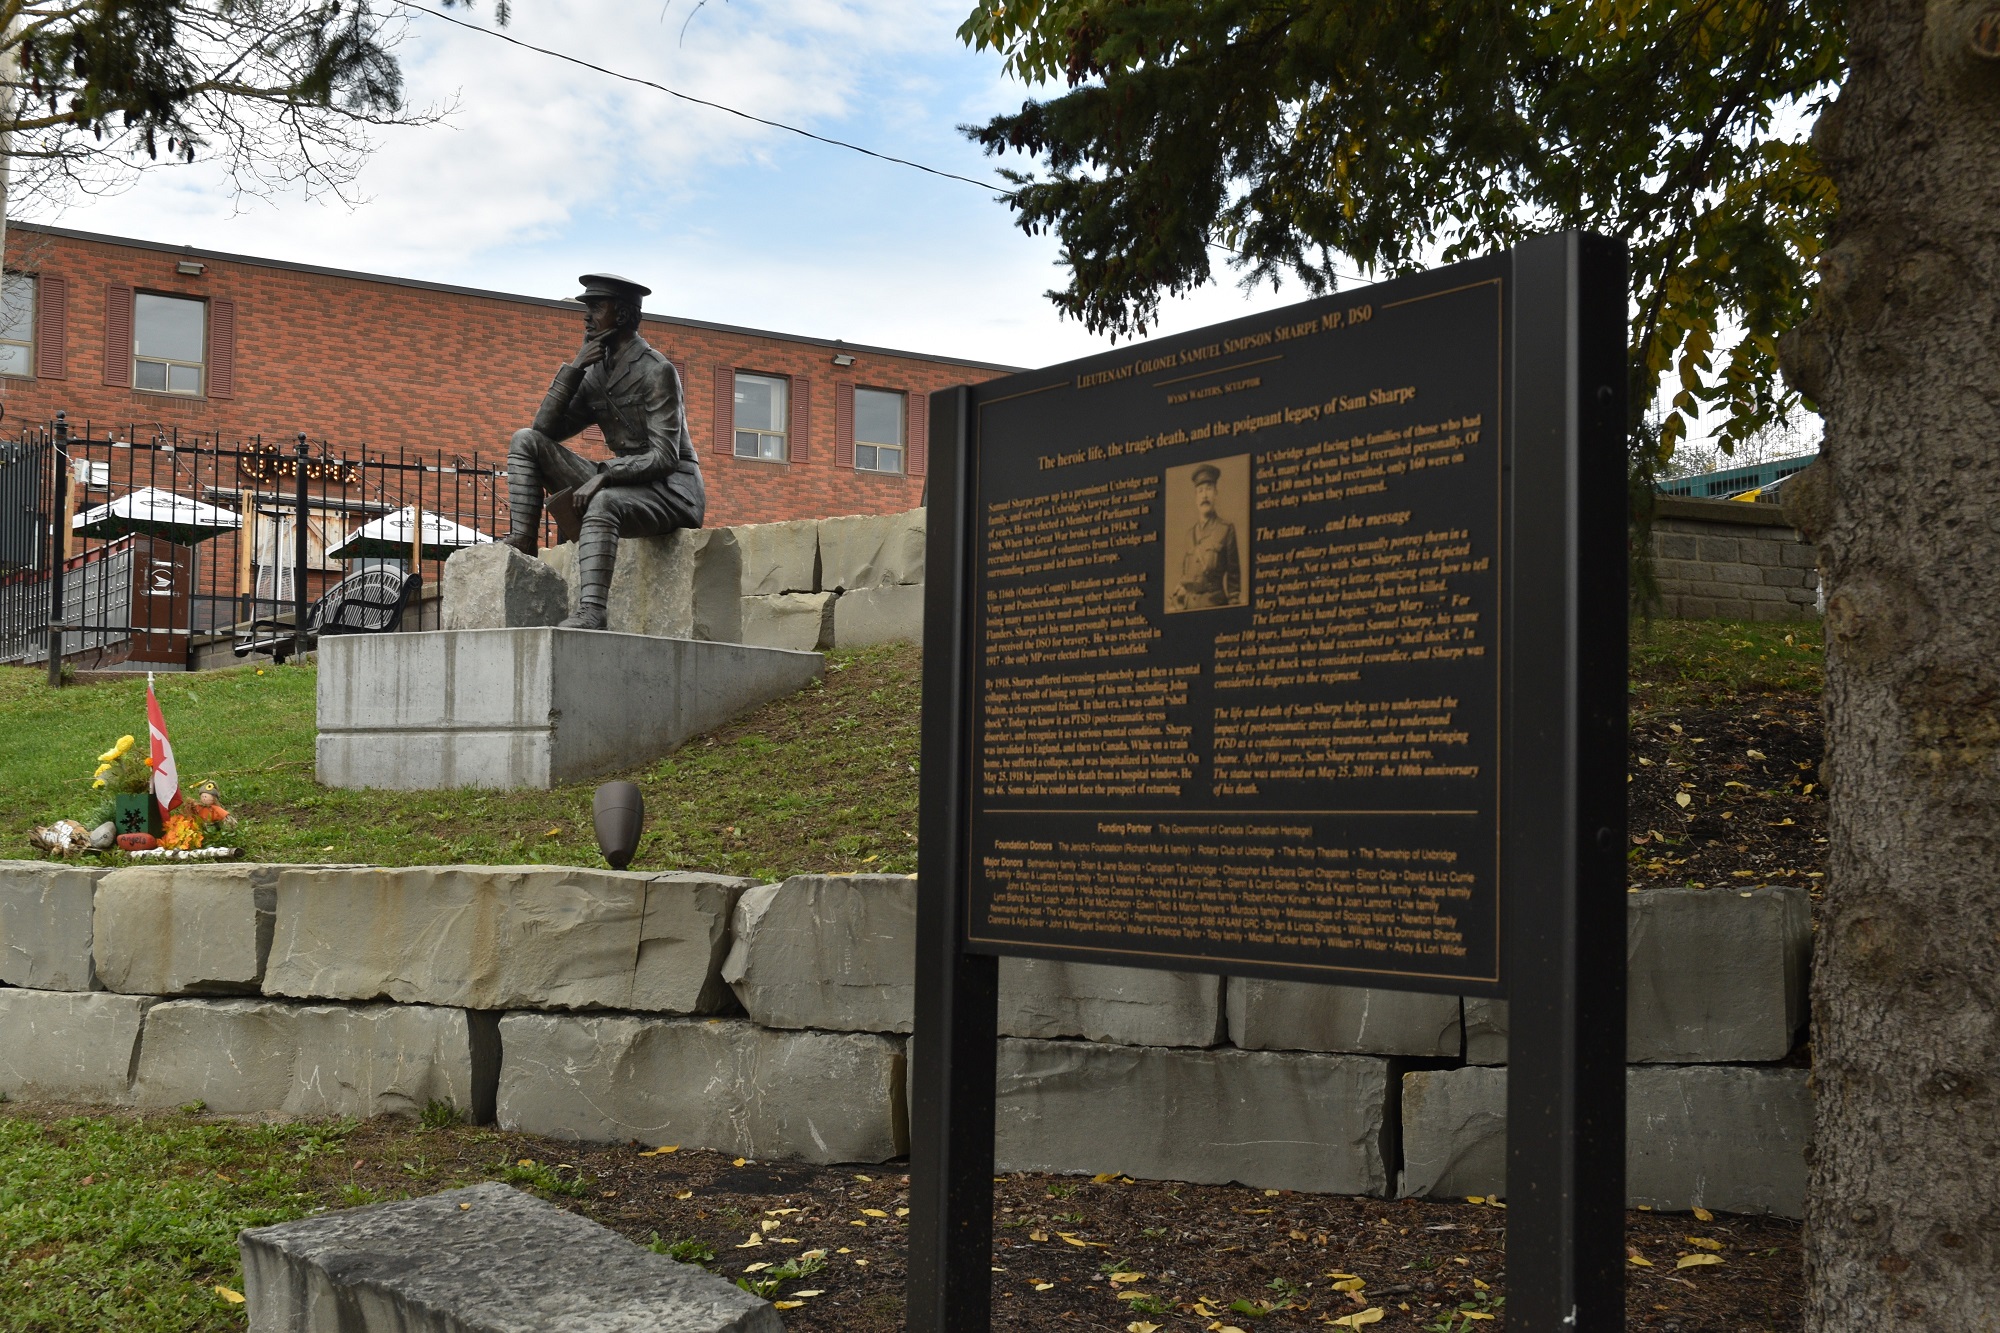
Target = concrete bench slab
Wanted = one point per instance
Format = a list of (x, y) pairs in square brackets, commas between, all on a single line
[(69, 1046), (185, 930), (801, 621), (488, 1259), (46, 924), (1268, 1119), (245, 1057), (503, 937), (779, 557), (890, 613), (872, 550), (511, 708), (722, 1084)]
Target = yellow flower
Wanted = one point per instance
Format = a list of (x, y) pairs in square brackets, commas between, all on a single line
[(102, 769), (98, 783), (109, 757), (125, 743)]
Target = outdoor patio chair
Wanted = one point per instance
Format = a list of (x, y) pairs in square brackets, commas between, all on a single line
[(371, 602)]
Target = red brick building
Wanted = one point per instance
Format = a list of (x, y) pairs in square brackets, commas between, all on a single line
[(124, 333)]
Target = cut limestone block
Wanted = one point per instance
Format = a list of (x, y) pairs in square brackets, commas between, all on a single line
[(45, 925), (870, 550), (1726, 1137), (723, 1084), (1715, 977), (528, 707), (1132, 1006), (779, 557), (800, 621), (69, 1046), (185, 930), (1712, 976), (494, 586), (488, 1258), (1485, 1031), (892, 613), (248, 1056), (1454, 1133), (1276, 1120), (1306, 1016), (836, 952), (685, 585), (503, 937)]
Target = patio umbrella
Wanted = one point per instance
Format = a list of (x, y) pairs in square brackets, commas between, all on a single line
[(152, 512), (389, 536)]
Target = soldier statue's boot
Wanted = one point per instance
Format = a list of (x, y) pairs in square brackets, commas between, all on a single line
[(524, 514), (596, 553)]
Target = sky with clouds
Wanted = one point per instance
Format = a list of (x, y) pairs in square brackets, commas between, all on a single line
[(544, 170)]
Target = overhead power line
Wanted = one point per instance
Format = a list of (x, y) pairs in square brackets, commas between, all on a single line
[(987, 186), (700, 101)]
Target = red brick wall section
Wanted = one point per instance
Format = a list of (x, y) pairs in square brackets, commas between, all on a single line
[(354, 361)]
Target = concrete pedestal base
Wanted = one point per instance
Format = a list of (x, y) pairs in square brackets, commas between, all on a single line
[(528, 707)]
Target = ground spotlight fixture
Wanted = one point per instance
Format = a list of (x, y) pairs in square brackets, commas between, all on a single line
[(618, 812)]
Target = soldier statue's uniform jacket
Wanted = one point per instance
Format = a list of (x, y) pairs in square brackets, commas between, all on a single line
[(634, 396)]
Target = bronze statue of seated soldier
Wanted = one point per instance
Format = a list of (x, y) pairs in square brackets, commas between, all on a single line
[(651, 486)]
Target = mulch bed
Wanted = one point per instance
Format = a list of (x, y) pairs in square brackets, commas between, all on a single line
[(1728, 797), (1059, 1241)]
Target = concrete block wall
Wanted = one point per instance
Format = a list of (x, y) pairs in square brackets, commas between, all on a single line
[(1724, 559), (773, 1021)]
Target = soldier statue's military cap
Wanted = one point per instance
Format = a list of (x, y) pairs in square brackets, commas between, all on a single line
[(1207, 472), (597, 286)]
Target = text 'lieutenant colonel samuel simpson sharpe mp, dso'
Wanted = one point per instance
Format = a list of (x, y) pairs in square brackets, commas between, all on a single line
[(620, 384)]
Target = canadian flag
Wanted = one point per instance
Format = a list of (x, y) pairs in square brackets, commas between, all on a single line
[(166, 782)]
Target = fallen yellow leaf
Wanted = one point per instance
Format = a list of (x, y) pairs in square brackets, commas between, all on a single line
[(1140, 1326), (902, 1212), (755, 1239), (873, 1212), (1697, 1260), (1082, 1244), (1639, 1260), (780, 1212), (1045, 1286), (1473, 1314), (1475, 1198), (1683, 800), (525, 1161), (859, 1222), (1119, 1279), (741, 1161), (1038, 1235), (1702, 1214), (685, 1194), (233, 1297), (1104, 1177), (1704, 1243), (1349, 1284), (786, 1305), (869, 1179), (662, 1150), (803, 1294), (1360, 1318), (1480, 1285), (757, 1268)]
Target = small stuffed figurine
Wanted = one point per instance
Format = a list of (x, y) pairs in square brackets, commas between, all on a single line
[(208, 804)]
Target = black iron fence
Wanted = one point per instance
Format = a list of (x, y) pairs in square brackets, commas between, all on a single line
[(166, 536)]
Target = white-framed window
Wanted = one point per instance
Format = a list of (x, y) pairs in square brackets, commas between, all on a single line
[(17, 324), (879, 438), (762, 403), (169, 343)]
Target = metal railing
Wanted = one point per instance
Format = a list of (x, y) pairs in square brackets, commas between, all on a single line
[(268, 522)]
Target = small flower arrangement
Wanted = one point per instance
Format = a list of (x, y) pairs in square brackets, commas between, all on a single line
[(122, 770)]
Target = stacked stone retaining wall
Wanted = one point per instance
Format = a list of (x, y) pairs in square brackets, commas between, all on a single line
[(1730, 560), (774, 1021)]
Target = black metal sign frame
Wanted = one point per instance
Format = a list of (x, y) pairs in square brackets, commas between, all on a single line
[(1553, 614)]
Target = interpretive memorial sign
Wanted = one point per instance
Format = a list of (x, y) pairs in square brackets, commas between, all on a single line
[(1235, 687), (1267, 650)]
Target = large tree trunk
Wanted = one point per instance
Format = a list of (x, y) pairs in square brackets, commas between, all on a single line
[(1902, 354)]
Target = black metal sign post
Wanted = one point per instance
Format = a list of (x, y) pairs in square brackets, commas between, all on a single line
[(1293, 647)]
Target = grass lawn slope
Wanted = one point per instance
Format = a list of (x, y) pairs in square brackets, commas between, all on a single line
[(825, 780)]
